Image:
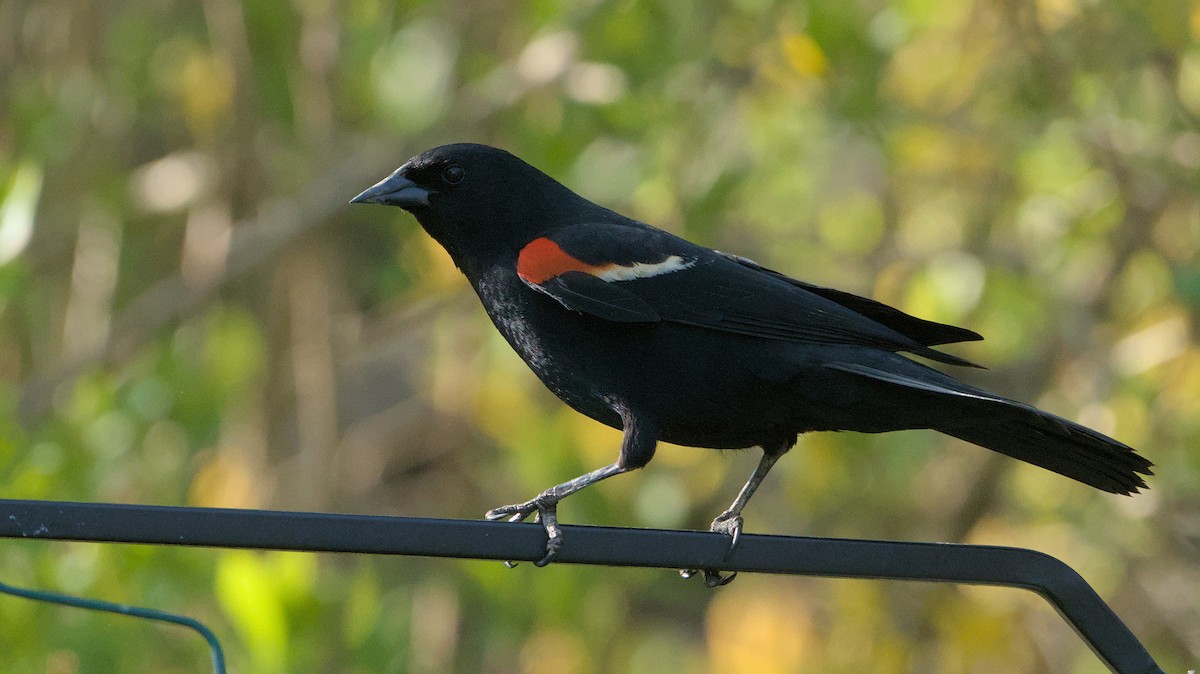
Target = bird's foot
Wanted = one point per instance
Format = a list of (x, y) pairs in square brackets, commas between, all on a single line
[(712, 578), (730, 524), (545, 507)]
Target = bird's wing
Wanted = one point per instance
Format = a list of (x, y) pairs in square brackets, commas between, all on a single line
[(584, 292), (929, 333), (623, 272)]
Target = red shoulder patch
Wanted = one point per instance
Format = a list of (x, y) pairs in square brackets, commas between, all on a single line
[(542, 259)]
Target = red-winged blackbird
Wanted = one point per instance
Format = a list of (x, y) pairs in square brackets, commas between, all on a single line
[(666, 340)]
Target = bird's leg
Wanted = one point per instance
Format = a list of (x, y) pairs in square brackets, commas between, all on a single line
[(637, 448), (730, 521), (545, 505)]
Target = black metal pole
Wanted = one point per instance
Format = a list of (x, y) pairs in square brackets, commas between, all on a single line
[(1075, 600)]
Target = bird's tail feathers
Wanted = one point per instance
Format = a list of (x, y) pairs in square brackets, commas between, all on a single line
[(1019, 430), (1073, 450)]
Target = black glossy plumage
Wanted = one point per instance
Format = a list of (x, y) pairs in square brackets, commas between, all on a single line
[(706, 349)]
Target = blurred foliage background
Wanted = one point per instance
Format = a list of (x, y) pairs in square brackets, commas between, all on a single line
[(191, 314)]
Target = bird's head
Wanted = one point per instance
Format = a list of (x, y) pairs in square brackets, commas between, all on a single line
[(479, 202)]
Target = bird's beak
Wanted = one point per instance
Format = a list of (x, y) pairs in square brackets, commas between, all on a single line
[(394, 190)]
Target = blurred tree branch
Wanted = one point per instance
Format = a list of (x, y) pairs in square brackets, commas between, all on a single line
[(255, 242)]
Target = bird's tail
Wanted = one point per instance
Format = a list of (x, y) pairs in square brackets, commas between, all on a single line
[(1016, 429), (1064, 447)]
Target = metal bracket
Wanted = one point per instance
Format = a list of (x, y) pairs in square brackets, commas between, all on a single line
[(1058, 583)]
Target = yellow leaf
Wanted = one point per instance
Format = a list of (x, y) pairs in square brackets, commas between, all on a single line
[(804, 55)]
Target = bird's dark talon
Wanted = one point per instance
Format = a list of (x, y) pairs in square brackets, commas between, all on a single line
[(729, 524), (510, 564), (554, 543), (518, 511), (715, 579), (711, 578), (554, 536), (496, 513)]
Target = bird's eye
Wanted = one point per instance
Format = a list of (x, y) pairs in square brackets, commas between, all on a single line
[(453, 174)]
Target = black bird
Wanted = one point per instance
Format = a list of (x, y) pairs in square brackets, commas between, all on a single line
[(667, 340)]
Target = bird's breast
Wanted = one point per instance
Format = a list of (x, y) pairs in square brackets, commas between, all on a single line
[(562, 348)]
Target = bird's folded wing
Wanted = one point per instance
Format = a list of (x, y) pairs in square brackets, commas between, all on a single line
[(929, 333), (586, 293), (636, 273)]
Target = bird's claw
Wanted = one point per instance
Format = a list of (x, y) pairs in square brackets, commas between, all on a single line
[(715, 579), (519, 511), (711, 578), (730, 524), (544, 508)]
